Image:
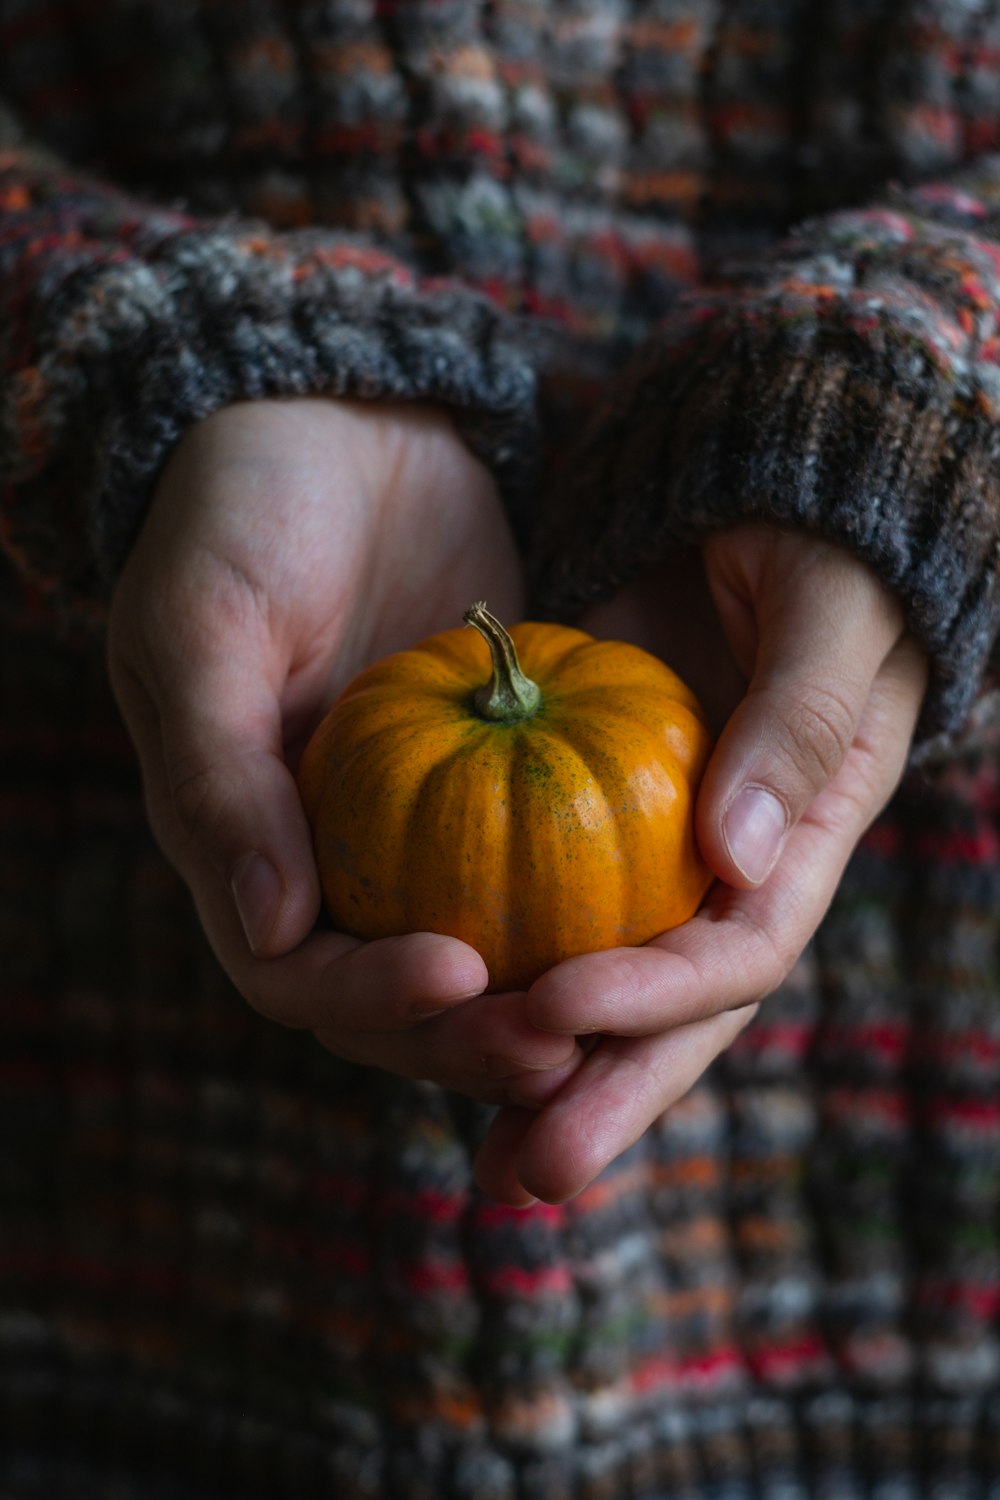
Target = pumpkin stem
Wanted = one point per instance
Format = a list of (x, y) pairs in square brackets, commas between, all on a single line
[(509, 696)]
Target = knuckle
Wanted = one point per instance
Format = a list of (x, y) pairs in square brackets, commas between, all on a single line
[(238, 597), (196, 801), (634, 984), (765, 962), (849, 809), (820, 727), (778, 959)]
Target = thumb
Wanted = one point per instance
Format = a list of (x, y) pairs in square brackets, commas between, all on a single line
[(822, 637), (223, 803)]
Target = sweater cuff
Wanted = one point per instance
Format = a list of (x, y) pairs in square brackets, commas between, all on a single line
[(851, 434), (134, 348)]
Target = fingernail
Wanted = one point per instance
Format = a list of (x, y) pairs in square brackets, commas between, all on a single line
[(256, 890), (754, 829)]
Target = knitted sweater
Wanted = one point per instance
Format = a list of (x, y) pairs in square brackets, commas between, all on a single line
[(231, 1264)]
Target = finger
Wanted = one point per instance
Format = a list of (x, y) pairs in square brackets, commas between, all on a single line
[(742, 944), (495, 1163), (612, 1098), (219, 795), (485, 1048), (332, 981), (823, 635), (396, 983), (488, 1036)]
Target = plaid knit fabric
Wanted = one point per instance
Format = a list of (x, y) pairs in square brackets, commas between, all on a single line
[(229, 1264), (846, 381), (232, 1265)]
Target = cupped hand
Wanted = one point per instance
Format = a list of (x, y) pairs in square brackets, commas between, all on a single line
[(803, 663), (288, 545)]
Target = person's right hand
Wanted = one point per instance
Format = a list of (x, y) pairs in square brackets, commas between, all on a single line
[(288, 545)]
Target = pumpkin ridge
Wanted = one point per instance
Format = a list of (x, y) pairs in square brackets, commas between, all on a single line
[(637, 707), (345, 727), (426, 803), (366, 748), (505, 847), (368, 779), (571, 835), (544, 655), (351, 720), (612, 666), (431, 665), (642, 888)]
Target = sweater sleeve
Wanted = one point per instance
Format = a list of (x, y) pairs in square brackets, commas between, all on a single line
[(848, 382), (121, 323)]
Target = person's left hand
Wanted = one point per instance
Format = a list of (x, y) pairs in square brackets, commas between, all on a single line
[(802, 659)]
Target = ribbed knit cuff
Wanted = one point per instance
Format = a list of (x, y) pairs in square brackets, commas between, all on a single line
[(857, 438), (136, 347)]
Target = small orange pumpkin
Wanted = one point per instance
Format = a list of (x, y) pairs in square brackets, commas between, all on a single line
[(534, 816)]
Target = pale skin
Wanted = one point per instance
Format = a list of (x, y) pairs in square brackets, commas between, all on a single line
[(288, 545)]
